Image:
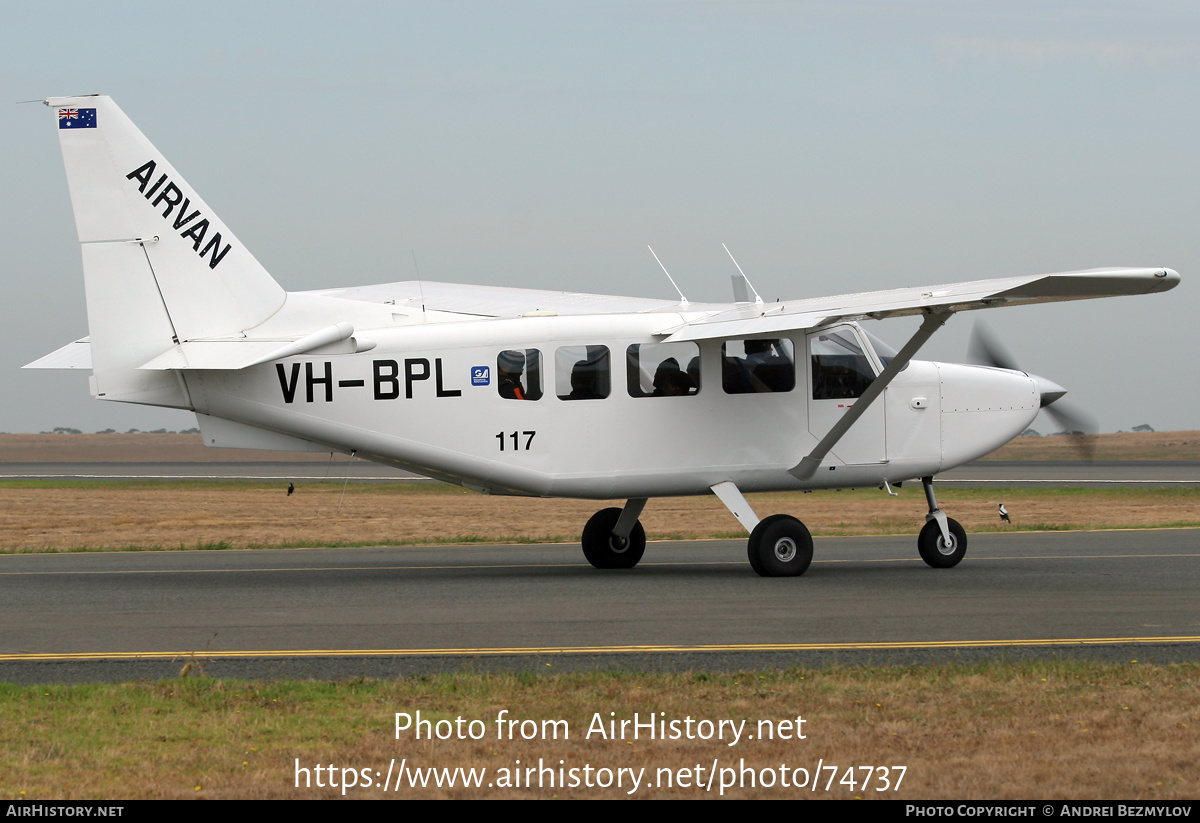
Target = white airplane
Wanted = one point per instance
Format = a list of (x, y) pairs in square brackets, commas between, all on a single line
[(536, 393)]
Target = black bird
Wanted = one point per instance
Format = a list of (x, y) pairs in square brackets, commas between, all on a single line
[(1003, 513), (291, 488)]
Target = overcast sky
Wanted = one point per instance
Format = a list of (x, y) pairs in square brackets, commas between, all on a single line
[(835, 147)]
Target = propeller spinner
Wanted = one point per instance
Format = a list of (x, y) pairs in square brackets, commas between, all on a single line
[(986, 350)]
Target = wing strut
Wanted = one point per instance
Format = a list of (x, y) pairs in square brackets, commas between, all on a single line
[(807, 467)]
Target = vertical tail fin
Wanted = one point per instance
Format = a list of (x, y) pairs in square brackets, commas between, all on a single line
[(159, 266)]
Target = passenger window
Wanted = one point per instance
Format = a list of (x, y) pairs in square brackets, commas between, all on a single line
[(582, 373), (663, 369), (841, 370), (519, 374), (757, 365)]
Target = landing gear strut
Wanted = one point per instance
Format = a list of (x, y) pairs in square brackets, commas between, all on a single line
[(780, 545), (943, 541), (613, 538)]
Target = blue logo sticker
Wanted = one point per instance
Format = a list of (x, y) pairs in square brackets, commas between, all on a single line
[(481, 375)]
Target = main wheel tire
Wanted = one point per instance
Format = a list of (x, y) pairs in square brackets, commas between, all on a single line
[(605, 550), (933, 548), (780, 546)]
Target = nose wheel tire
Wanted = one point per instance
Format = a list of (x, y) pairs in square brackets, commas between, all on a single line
[(780, 546), (605, 550), (934, 549)]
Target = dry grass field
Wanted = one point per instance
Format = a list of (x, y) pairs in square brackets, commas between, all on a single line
[(1119, 446), (72, 516), (998, 731), (106, 516)]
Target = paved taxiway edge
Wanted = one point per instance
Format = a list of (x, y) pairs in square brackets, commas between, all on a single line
[(289, 665)]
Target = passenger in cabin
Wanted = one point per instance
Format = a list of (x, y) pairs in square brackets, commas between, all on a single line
[(669, 379), (767, 367), (676, 384), (584, 382), (770, 370), (510, 365)]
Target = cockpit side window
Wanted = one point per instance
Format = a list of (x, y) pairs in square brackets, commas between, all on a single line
[(757, 365), (840, 368), (663, 369), (519, 374), (582, 373)]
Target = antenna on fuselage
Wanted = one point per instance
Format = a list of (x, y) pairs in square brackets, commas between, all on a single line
[(420, 287), (742, 289), (682, 299)]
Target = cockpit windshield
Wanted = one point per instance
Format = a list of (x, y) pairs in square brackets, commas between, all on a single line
[(883, 350)]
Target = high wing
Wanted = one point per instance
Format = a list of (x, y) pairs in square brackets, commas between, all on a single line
[(496, 301), (451, 301), (763, 318), (724, 320)]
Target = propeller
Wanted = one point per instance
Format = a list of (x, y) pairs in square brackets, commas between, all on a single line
[(986, 350)]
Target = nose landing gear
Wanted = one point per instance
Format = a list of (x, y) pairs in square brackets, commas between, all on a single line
[(943, 541)]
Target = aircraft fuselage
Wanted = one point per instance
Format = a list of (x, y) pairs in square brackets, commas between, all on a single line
[(427, 398)]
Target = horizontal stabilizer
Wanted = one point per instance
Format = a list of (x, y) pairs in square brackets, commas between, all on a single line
[(220, 355), (77, 355), (225, 355)]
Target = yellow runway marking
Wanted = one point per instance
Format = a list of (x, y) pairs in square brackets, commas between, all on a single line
[(562, 650)]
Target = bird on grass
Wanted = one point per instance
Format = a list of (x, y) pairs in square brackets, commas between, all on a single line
[(291, 488), (1004, 514)]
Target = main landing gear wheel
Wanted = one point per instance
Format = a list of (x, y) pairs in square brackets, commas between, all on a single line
[(780, 546), (934, 549), (605, 550)]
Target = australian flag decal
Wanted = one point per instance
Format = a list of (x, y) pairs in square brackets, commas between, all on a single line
[(77, 118)]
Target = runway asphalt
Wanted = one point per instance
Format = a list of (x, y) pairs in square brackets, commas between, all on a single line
[(380, 612)]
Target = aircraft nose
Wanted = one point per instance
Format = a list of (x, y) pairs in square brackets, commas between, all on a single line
[(1048, 390)]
